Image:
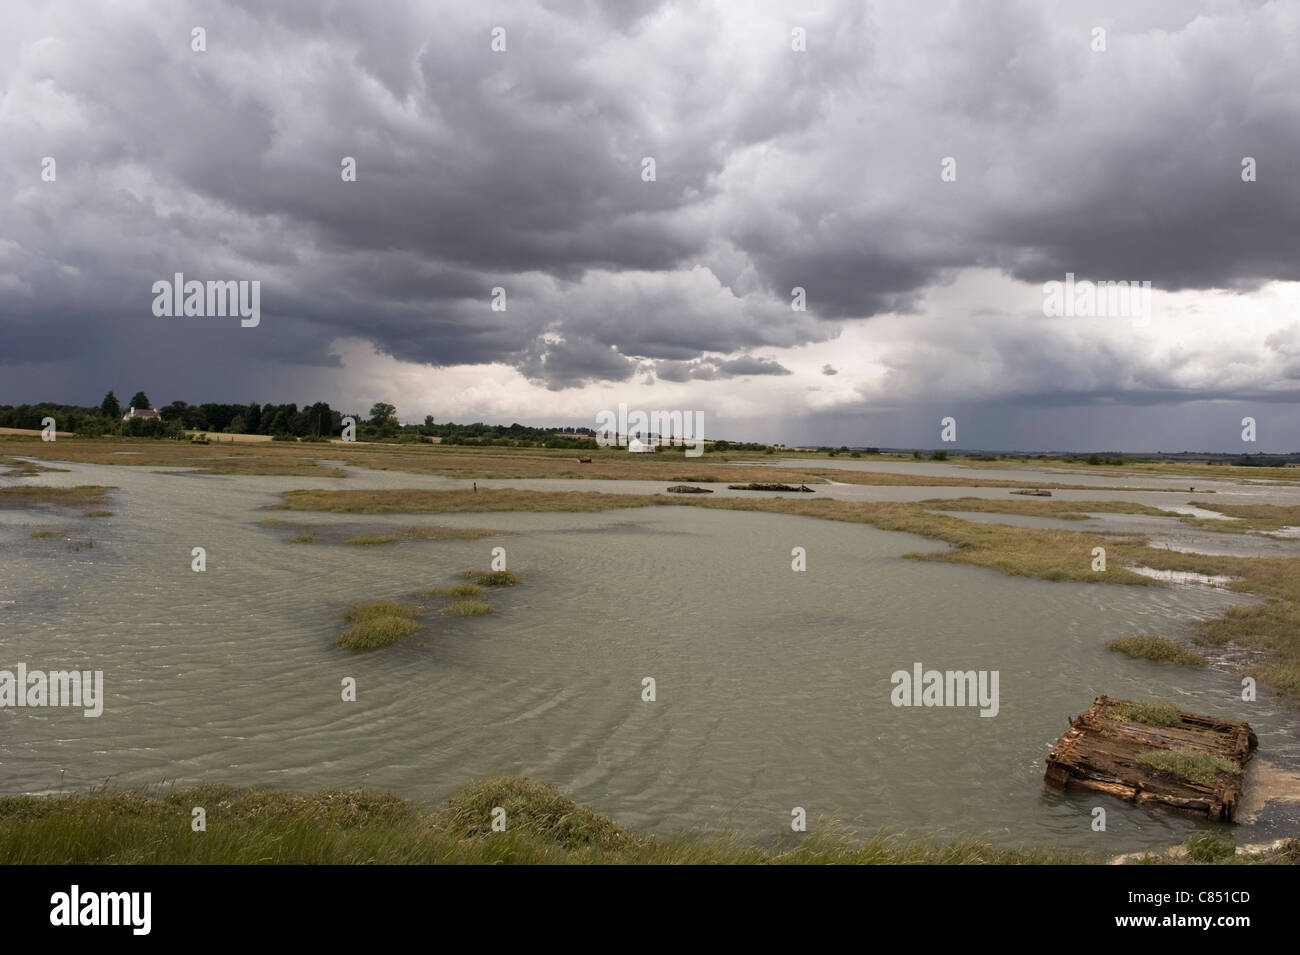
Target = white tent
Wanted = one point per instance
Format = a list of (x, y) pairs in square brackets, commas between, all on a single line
[(637, 446)]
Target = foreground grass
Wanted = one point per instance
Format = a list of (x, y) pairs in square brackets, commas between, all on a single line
[(542, 827), (1272, 626), (250, 827), (1158, 649)]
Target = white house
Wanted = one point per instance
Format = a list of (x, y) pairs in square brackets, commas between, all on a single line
[(147, 413)]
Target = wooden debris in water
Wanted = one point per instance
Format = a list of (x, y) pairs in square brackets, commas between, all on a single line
[(1111, 749), (770, 487), (689, 489), (1034, 492)]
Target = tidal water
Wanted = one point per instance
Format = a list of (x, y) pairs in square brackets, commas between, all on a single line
[(773, 687)]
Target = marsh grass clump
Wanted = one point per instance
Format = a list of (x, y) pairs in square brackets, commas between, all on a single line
[(376, 632), (1207, 847), (1145, 647), (360, 613), (534, 808), (271, 522), (469, 608), (44, 535), (493, 578), (376, 625), (1195, 765), (1153, 714), (459, 591), (98, 514), (302, 538)]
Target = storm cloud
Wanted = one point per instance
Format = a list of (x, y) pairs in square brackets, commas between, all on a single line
[(502, 214)]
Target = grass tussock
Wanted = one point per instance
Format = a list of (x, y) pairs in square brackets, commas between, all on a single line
[(376, 625), (98, 514), (45, 535), (459, 591), (1195, 765), (493, 578), (376, 632), (1153, 714), (360, 613), (469, 608), (1158, 649), (301, 538)]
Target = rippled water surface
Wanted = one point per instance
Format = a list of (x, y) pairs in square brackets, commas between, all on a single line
[(773, 686)]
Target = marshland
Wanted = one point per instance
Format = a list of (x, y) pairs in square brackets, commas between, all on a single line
[(772, 686)]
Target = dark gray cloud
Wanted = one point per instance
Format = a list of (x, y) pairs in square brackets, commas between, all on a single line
[(522, 170)]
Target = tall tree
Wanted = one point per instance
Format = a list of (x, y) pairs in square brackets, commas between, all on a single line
[(109, 407), (140, 400), (381, 412)]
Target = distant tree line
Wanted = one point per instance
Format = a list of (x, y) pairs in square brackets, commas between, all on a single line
[(283, 421), (516, 435), (317, 422)]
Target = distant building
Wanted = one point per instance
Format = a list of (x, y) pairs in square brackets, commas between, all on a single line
[(637, 446), (146, 413)]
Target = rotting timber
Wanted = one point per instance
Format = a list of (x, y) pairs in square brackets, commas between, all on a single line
[(1103, 751)]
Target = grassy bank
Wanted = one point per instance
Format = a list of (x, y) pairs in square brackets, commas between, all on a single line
[(423, 534), (615, 464), (1035, 507), (81, 497), (340, 828)]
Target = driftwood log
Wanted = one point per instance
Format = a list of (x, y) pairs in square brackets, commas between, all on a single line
[(689, 489), (1102, 752)]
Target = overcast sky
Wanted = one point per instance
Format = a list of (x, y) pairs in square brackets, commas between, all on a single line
[(775, 167)]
